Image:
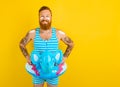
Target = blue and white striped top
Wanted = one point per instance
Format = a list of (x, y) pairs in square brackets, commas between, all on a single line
[(41, 45)]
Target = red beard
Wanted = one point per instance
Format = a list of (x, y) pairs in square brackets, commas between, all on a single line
[(45, 26)]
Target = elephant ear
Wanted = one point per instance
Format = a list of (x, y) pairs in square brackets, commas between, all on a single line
[(58, 55), (34, 56)]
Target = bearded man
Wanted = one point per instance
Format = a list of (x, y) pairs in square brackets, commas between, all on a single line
[(43, 37)]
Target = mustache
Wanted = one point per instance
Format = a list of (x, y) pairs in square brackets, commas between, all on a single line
[(45, 21)]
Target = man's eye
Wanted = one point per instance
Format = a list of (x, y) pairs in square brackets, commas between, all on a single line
[(47, 16), (41, 17)]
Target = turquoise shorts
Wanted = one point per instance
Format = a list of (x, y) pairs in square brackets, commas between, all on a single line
[(53, 81)]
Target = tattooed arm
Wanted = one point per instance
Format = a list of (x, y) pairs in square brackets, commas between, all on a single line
[(24, 42), (69, 44), (62, 36)]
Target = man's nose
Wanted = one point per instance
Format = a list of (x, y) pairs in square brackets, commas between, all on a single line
[(44, 18)]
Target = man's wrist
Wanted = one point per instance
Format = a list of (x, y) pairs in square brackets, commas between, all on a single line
[(64, 57), (27, 57)]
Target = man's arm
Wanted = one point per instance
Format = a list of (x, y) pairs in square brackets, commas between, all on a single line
[(23, 44), (62, 36), (69, 44)]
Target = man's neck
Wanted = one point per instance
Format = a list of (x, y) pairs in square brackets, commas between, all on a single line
[(45, 30)]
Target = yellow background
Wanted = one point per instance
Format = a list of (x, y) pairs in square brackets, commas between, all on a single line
[(93, 25)]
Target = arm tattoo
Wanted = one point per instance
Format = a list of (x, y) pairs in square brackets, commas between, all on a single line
[(24, 51), (23, 43), (69, 44)]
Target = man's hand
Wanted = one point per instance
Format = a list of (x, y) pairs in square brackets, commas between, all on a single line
[(64, 59), (28, 60)]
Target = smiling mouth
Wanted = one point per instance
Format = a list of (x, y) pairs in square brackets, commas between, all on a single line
[(44, 22)]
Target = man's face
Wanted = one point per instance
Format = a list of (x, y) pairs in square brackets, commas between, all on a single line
[(45, 19)]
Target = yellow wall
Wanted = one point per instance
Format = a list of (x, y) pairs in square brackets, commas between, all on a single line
[(94, 26)]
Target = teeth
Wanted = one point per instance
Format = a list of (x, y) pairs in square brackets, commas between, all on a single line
[(45, 22)]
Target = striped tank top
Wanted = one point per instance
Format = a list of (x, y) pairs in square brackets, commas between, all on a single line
[(41, 45)]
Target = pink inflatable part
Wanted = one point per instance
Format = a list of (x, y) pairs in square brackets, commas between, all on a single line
[(60, 69), (35, 70)]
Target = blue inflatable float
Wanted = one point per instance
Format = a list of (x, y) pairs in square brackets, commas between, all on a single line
[(46, 64)]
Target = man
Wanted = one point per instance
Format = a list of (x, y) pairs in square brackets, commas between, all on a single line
[(45, 34)]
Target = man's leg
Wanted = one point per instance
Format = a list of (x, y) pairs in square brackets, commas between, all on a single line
[(38, 85), (49, 85), (37, 82), (52, 82)]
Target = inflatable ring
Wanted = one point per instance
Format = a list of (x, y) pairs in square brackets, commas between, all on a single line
[(46, 64)]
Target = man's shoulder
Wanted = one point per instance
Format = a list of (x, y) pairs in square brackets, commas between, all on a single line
[(32, 31), (60, 32)]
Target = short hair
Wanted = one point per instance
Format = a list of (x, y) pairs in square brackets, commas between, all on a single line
[(45, 8)]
